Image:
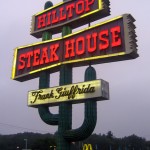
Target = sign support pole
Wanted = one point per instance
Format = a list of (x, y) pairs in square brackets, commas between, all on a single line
[(65, 109), (65, 134)]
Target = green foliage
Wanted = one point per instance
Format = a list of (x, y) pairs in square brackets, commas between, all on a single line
[(17, 142), (38, 141), (43, 144), (104, 142), (134, 142)]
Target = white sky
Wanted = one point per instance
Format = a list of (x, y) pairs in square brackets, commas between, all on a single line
[(127, 111)]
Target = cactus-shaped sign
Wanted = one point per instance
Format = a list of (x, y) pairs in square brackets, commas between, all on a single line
[(66, 135), (112, 40)]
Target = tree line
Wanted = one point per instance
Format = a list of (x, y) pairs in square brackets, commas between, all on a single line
[(110, 142), (37, 141)]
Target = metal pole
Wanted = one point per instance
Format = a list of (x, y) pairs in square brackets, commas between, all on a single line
[(96, 146), (26, 143), (109, 147)]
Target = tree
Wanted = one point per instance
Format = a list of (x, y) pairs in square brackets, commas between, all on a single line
[(134, 142), (109, 135)]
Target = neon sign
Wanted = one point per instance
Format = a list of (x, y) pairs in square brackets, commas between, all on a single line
[(108, 41), (74, 13), (74, 93)]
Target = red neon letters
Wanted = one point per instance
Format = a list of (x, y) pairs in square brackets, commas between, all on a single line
[(38, 57), (64, 13), (79, 46), (104, 39)]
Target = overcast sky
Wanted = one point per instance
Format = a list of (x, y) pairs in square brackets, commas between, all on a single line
[(127, 112)]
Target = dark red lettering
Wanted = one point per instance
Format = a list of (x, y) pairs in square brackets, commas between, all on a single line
[(53, 55), (48, 18), (79, 7), (91, 42), (55, 18), (36, 57), (104, 40), (41, 21), (62, 14), (21, 62), (69, 8), (44, 58), (116, 39), (28, 56), (80, 46), (69, 48), (88, 3)]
